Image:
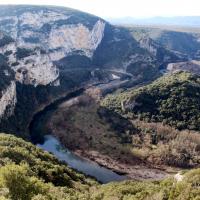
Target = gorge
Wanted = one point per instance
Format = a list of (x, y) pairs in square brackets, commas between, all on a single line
[(95, 111)]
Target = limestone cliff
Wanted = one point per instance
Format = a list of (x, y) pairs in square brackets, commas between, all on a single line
[(47, 51)]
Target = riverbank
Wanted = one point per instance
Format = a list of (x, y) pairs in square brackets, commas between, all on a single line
[(77, 125), (34, 127), (78, 163), (134, 172)]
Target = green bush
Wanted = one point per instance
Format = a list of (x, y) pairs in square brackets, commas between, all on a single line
[(20, 179), (172, 99)]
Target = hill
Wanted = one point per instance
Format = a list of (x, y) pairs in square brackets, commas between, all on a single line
[(181, 21), (26, 171), (47, 51), (172, 99), (179, 40), (192, 66), (36, 175)]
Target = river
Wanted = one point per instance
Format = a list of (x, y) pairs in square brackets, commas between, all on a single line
[(51, 144), (102, 174)]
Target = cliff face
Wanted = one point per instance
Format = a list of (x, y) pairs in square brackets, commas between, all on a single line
[(178, 41), (192, 66), (8, 100), (47, 51), (42, 36)]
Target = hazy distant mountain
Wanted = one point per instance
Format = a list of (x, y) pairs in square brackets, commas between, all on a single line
[(193, 21)]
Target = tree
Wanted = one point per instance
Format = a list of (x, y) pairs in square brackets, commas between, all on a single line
[(20, 182)]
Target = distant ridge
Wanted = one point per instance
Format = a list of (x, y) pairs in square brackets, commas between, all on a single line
[(192, 21)]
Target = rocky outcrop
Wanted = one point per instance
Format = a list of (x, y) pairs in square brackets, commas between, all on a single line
[(46, 45), (49, 51), (190, 66), (8, 100), (37, 69), (77, 38), (148, 44)]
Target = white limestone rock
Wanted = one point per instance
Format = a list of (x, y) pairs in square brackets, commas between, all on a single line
[(36, 70), (8, 47), (77, 37), (57, 55), (57, 43), (115, 76), (7, 101), (40, 18), (192, 66), (11, 27), (179, 177), (148, 44)]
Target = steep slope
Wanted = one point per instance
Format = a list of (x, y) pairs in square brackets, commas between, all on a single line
[(43, 164), (186, 187), (192, 66), (34, 174), (182, 42), (28, 171), (172, 99), (160, 110), (46, 52)]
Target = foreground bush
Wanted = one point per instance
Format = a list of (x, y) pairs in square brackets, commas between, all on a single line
[(20, 180)]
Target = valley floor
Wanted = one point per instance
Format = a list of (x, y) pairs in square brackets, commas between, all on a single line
[(78, 126)]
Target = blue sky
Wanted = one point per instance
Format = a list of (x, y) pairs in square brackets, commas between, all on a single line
[(124, 8)]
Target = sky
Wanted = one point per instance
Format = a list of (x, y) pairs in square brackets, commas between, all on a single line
[(124, 8)]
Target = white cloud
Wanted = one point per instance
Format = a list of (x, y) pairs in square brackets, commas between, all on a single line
[(120, 8)]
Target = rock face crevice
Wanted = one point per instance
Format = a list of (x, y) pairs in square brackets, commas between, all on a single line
[(7, 101), (37, 69), (78, 37), (46, 45)]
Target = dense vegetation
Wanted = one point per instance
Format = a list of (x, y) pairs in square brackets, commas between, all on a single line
[(172, 99), (28, 173), (161, 144), (167, 189), (159, 111)]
